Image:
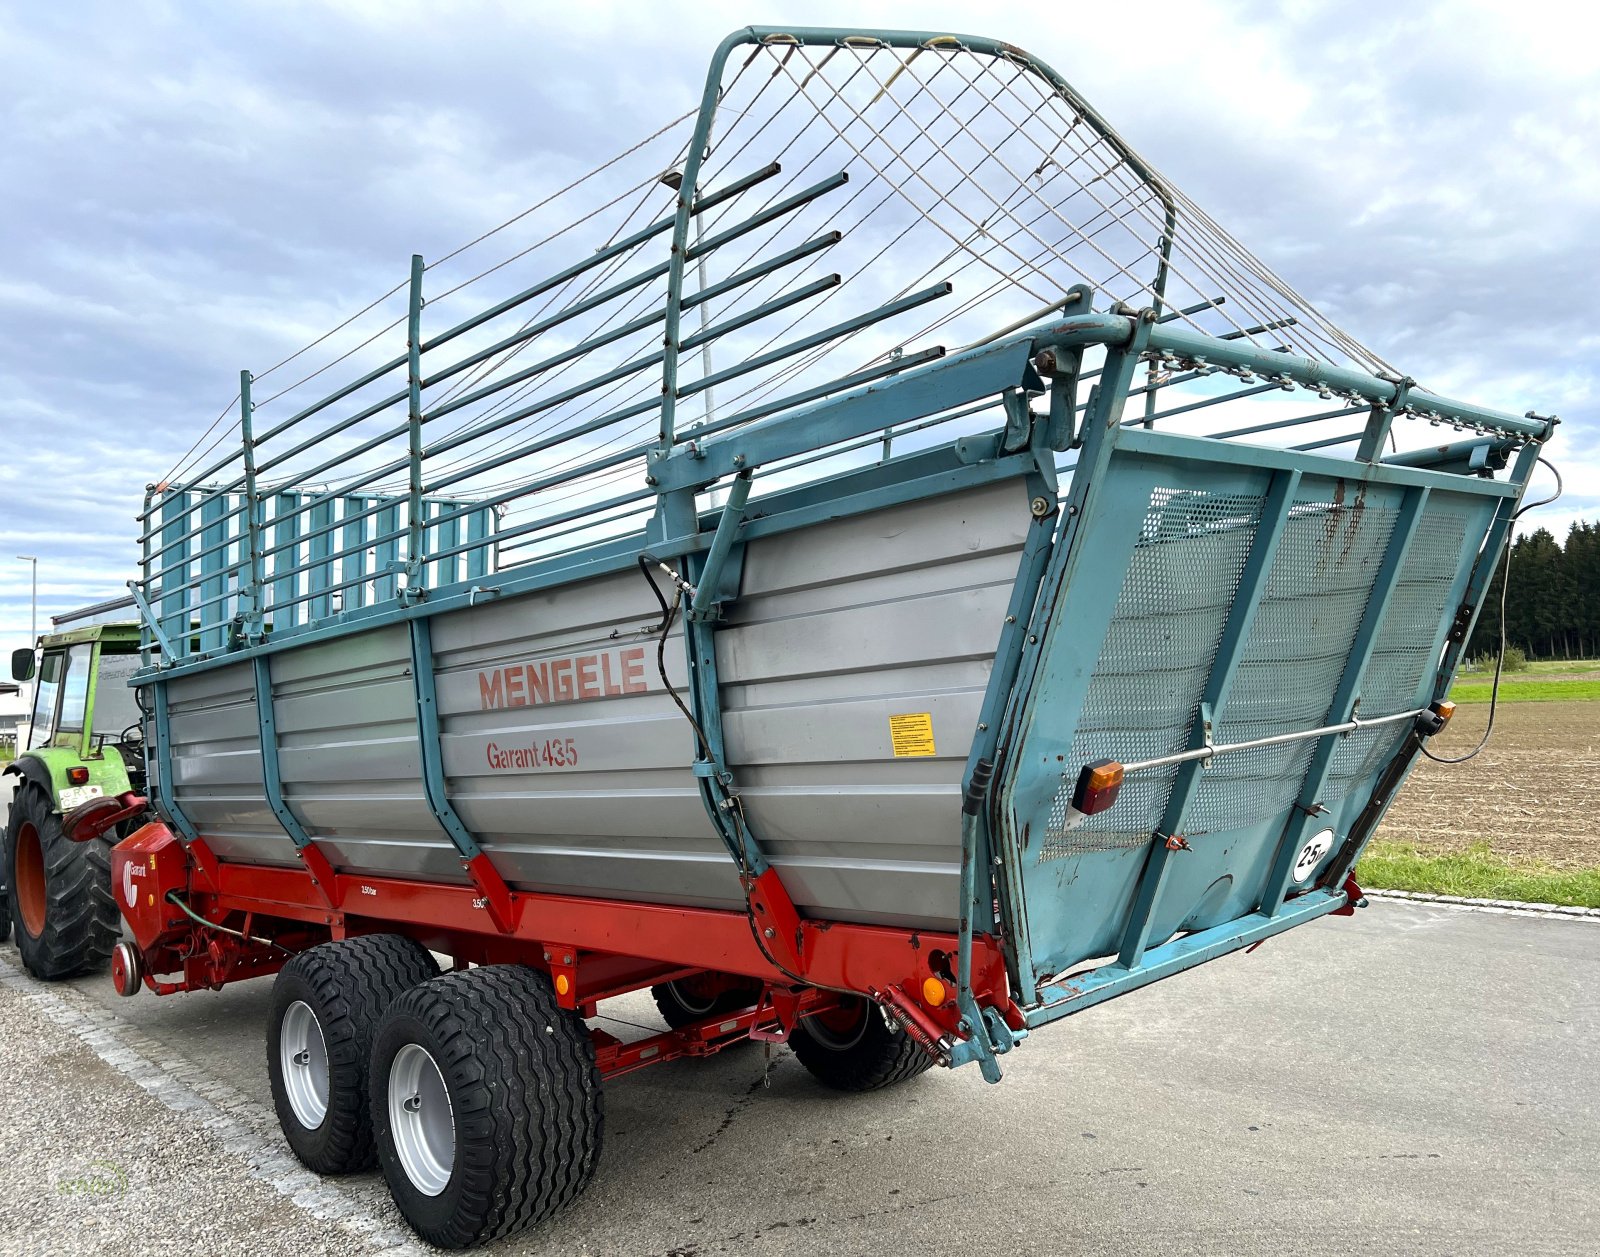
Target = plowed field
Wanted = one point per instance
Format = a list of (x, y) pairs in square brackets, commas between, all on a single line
[(1534, 792)]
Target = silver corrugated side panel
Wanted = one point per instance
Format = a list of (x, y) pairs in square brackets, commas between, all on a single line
[(837, 629), (347, 753), (216, 764), (568, 760)]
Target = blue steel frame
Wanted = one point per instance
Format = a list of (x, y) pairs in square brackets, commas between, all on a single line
[(1027, 362), (1136, 965)]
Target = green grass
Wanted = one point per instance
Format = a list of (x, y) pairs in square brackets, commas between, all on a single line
[(1476, 873), (1526, 690)]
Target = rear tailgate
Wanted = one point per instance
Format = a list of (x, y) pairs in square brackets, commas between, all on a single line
[(1212, 594)]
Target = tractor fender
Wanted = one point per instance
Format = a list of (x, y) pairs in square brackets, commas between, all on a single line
[(32, 771)]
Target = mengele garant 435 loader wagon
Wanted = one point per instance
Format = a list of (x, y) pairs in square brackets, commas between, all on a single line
[(877, 566)]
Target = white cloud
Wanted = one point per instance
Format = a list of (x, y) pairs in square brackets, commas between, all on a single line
[(191, 190)]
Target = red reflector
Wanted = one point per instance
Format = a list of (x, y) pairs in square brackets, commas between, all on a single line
[(77, 776), (1097, 787)]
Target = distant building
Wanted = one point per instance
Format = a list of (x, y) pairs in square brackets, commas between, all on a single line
[(13, 712)]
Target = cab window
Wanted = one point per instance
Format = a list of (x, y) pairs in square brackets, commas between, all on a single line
[(46, 688), (74, 689), (115, 706)]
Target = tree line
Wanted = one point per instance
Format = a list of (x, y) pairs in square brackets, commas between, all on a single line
[(1553, 605)]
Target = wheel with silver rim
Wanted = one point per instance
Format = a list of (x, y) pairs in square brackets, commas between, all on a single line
[(303, 1058), (486, 1104), (326, 1004), (421, 1120)]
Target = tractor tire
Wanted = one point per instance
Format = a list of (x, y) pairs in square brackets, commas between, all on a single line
[(326, 1005), (689, 1000), (59, 890), (852, 1049), (487, 1104)]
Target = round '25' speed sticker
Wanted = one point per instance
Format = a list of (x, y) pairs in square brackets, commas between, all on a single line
[(1311, 854)]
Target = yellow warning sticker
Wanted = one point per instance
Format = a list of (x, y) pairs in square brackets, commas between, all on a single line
[(912, 734)]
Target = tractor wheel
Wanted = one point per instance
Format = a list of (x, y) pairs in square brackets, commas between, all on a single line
[(60, 892), (688, 1000), (326, 1005), (487, 1104), (851, 1048)]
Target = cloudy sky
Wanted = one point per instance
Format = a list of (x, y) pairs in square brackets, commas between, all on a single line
[(192, 189)]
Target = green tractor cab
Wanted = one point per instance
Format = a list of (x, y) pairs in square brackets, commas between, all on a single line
[(79, 791)]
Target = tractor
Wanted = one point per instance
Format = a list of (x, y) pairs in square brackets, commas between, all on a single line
[(79, 790)]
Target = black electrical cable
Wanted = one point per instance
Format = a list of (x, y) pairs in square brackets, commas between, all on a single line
[(669, 612), (1500, 659)]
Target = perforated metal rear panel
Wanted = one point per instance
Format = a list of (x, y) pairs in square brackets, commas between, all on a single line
[(1142, 702), (1133, 633), (1293, 659), (1409, 641)]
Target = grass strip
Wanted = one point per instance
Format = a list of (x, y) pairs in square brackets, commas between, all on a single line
[(1531, 690), (1475, 873)]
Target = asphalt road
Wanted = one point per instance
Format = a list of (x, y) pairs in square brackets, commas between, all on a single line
[(1419, 1079)]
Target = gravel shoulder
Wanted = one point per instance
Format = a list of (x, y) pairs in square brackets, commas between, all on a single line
[(101, 1165)]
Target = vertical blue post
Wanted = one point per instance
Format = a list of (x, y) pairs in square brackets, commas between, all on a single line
[(213, 610), (478, 556), (1381, 420), (687, 186), (447, 535), (254, 521), (416, 542), (147, 630), (386, 584), (286, 612), (319, 545), (174, 581), (354, 565)]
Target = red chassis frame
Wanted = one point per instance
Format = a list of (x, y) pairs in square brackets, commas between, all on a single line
[(257, 916)]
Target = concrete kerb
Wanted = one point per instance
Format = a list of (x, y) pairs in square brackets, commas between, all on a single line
[(1518, 906)]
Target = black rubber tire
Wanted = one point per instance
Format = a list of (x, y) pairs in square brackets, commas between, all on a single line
[(866, 1057), (80, 923), (348, 985), (525, 1099), (680, 1007)]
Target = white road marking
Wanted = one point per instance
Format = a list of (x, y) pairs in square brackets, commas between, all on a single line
[(232, 1117)]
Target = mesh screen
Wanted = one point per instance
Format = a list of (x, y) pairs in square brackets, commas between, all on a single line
[(1292, 661), (1405, 651), (1157, 654)]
